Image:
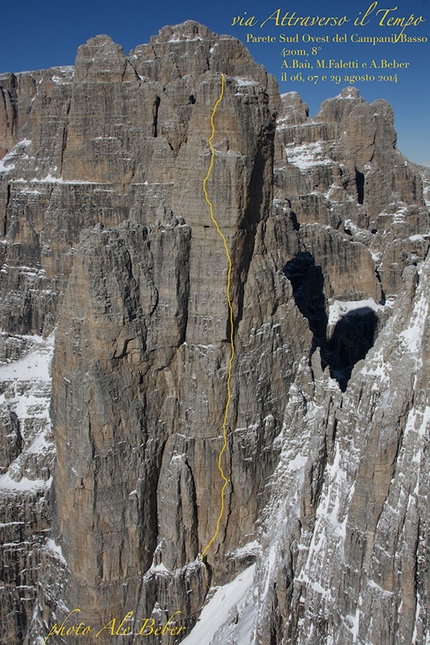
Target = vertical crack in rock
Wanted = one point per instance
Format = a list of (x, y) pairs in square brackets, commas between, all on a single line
[(5, 219), (64, 139), (155, 116), (256, 210), (359, 180)]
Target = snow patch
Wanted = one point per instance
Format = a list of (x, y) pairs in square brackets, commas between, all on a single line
[(55, 548), (245, 82), (50, 179), (412, 336), (25, 395), (25, 484), (184, 38), (225, 603), (340, 308), (307, 155), (34, 366), (250, 549), (158, 568), (7, 163), (5, 166)]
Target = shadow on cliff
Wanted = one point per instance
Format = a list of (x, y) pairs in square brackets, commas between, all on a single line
[(307, 281), (354, 333), (353, 336)]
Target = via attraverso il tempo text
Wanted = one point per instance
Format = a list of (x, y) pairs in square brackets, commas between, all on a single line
[(303, 51)]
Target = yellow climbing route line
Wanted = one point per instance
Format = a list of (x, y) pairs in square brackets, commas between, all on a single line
[(230, 308)]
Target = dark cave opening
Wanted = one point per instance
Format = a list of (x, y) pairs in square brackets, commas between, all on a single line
[(354, 333)]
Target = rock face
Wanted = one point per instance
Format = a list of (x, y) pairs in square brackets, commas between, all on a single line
[(26, 467), (108, 240)]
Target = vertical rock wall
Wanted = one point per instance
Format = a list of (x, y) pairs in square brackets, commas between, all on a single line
[(108, 238)]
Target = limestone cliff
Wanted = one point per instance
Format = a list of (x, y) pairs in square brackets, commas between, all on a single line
[(108, 243)]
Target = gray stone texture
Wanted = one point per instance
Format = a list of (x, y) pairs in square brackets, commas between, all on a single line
[(107, 239)]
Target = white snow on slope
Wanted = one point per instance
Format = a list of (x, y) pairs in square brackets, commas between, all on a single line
[(26, 390), (245, 82), (6, 165), (412, 336), (339, 308), (307, 155), (25, 484), (227, 602), (56, 549), (19, 150), (34, 366)]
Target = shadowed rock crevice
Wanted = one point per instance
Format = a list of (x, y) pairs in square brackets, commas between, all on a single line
[(8, 112), (244, 242), (354, 333), (11, 440), (359, 181), (307, 281), (64, 136), (5, 219), (353, 336), (155, 109)]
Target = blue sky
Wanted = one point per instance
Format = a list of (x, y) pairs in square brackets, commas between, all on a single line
[(42, 34)]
